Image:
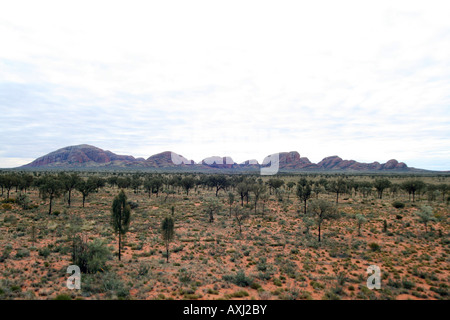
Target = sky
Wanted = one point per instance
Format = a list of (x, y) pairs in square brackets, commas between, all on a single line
[(364, 80)]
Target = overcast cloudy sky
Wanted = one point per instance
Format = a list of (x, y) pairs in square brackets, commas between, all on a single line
[(365, 80)]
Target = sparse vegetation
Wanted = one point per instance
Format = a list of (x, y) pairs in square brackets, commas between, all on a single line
[(263, 246)]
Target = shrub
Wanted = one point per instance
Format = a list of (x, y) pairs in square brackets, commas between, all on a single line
[(90, 257), (133, 205), (407, 284), (9, 218), (333, 294), (374, 246), (185, 277), (63, 297), (6, 253), (6, 206), (255, 285), (44, 252), (143, 269), (441, 290), (22, 253), (108, 283), (239, 294), (305, 295), (240, 279), (398, 204), (23, 201), (316, 285), (277, 282)]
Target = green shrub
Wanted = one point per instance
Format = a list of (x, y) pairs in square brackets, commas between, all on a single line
[(316, 285), (23, 201), (108, 283), (22, 253), (277, 282), (333, 294), (6, 252), (44, 252), (255, 285), (90, 257), (239, 294), (398, 204), (133, 205), (374, 246), (240, 279), (407, 284), (441, 290), (185, 277), (10, 218), (6, 206)]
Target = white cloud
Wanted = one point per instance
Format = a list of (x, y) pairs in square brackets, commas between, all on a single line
[(245, 79)]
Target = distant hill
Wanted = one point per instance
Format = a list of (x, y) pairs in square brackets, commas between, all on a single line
[(85, 156)]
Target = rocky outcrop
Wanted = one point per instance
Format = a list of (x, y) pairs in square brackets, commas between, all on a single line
[(167, 159), (393, 164), (329, 162), (86, 155), (78, 156), (336, 163)]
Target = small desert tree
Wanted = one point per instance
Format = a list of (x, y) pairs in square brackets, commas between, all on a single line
[(230, 200), (338, 186), (240, 214), (413, 186), (25, 182), (70, 182), (85, 187), (289, 186), (50, 187), (120, 216), (426, 216), (9, 181), (112, 181), (136, 183), (308, 222), (365, 187), (381, 184), (167, 233), (258, 189), (275, 184), (123, 182), (188, 183), (322, 210), (360, 220), (264, 198), (212, 206), (444, 188), (219, 182), (317, 188), (242, 188), (157, 183), (304, 192)]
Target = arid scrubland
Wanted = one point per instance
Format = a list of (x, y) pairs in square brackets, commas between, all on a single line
[(235, 236)]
